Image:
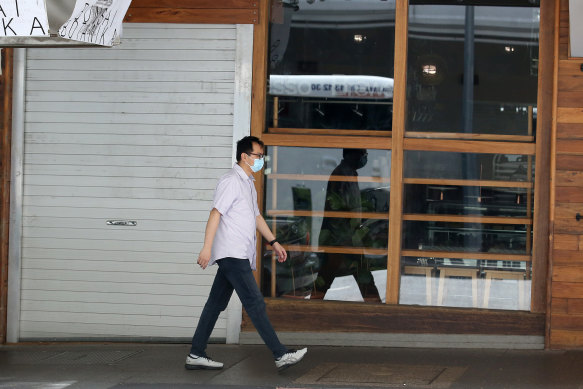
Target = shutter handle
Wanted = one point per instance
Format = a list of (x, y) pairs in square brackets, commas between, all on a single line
[(128, 223), (578, 216)]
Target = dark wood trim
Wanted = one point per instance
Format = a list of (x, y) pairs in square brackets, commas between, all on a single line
[(553, 166), (470, 146), (316, 131), (459, 182), (458, 135), (346, 215), (194, 11), (5, 165), (466, 255), (258, 98), (424, 217), (337, 141), (321, 177), (336, 316), (196, 4), (191, 16), (541, 215)]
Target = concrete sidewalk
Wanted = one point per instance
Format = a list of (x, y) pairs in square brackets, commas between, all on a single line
[(129, 366)]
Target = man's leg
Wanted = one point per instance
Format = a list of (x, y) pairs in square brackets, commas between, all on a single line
[(218, 300), (241, 277)]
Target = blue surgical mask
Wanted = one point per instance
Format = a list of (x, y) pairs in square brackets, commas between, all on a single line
[(257, 165)]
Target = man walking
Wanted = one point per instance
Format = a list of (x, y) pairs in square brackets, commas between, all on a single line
[(230, 241)]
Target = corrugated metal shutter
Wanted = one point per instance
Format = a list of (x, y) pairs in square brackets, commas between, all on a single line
[(139, 132)]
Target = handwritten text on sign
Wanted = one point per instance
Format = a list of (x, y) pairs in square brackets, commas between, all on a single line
[(96, 21), (23, 18)]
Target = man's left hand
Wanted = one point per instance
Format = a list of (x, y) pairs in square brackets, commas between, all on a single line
[(280, 251)]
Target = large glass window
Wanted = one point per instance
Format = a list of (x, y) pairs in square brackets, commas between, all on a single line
[(331, 65), (467, 229), (472, 69), (472, 73), (329, 208)]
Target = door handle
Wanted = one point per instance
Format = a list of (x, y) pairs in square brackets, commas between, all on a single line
[(127, 223)]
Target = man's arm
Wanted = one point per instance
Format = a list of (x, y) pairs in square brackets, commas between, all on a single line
[(264, 230), (209, 236)]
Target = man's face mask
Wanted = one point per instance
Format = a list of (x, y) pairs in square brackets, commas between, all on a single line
[(257, 165)]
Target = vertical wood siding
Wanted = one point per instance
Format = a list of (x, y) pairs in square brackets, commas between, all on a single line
[(566, 323), (137, 132)]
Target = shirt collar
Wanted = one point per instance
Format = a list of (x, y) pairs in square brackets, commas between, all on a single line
[(242, 173)]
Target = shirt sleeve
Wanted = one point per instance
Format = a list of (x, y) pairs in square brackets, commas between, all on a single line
[(257, 213), (225, 195), (255, 207)]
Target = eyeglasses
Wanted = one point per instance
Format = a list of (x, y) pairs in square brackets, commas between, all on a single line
[(257, 154)]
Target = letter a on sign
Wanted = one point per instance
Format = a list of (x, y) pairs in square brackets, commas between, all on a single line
[(96, 21), (23, 18)]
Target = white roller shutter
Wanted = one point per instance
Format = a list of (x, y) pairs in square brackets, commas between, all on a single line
[(137, 133)]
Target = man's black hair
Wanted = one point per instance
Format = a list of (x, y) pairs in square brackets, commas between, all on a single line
[(245, 145)]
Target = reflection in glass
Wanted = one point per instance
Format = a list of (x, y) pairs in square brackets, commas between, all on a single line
[(439, 281), (466, 237), (462, 204), (329, 208), (472, 69), (435, 199), (331, 65), (467, 166)]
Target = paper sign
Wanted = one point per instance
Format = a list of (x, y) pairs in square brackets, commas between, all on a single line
[(96, 21), (380, 281), (23, 18), (344, 289)]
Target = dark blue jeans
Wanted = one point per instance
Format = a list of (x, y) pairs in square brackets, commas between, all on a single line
[(235, 274)]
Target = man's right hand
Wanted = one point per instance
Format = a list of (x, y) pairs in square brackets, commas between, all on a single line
[(204, 257)]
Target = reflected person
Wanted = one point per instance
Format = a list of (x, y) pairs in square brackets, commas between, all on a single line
[(342, 195)]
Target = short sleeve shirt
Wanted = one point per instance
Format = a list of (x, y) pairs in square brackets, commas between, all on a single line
[(236, 199)]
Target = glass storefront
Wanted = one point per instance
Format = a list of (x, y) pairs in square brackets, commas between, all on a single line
[(465, 174)]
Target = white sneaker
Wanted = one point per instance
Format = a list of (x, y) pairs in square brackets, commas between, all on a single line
[(194, 362), (290, 358)]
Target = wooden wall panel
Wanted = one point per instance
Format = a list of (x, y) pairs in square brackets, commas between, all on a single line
[(569, 115), (566, 242), (569, 162), (568, 273), (570, 130), (567, 257), (569, 178), (569, 194), (575, 306), (194, 11), (559, 305), (567, 290), (566, 296), (566, 339)]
